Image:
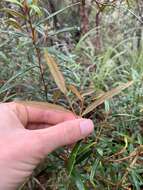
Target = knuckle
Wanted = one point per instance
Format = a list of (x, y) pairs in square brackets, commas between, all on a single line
[(20, 110), (13, 105)]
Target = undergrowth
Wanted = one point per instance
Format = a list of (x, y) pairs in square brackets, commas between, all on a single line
[(111, 158)]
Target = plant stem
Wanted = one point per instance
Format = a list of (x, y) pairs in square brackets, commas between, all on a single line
[(41, 72), (37, 49), (70, 104)]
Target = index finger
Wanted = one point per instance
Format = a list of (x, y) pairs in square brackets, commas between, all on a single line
[(41, 112)]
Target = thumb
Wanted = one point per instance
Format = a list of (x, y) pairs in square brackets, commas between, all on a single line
[(63, 134)]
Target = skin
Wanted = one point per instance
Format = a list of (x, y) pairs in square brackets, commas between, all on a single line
[(29, 133)]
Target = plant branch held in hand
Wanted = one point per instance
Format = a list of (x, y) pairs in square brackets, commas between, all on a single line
[(37, 49)]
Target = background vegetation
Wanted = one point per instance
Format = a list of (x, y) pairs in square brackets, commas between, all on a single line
[(79, 54)]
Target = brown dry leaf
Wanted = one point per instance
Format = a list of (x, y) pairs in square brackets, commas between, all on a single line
[(76, 92), (107, 96), (43, 105), (99, 94), (56, 73), (88, 92)]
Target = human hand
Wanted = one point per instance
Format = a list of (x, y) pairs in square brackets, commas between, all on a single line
[(28, 133)]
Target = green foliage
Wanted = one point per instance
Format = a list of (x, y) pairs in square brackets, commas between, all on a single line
[(112, 157)]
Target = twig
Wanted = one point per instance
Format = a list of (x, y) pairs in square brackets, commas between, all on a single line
[(70, 104), (135, 155), (33, 33)]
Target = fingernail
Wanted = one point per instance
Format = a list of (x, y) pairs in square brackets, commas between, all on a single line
[(86, 127)]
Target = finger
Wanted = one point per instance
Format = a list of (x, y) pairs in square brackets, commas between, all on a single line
[(33, 113), (63, 134), (33, 126)]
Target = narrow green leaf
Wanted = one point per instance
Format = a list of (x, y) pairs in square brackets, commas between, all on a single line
[(84, 152), (78, 180), (72, 158), (82, 157), (93, 171), (86, 147)]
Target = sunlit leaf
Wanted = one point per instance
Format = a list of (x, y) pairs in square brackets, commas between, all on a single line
[(56, 73), (107, 96)]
